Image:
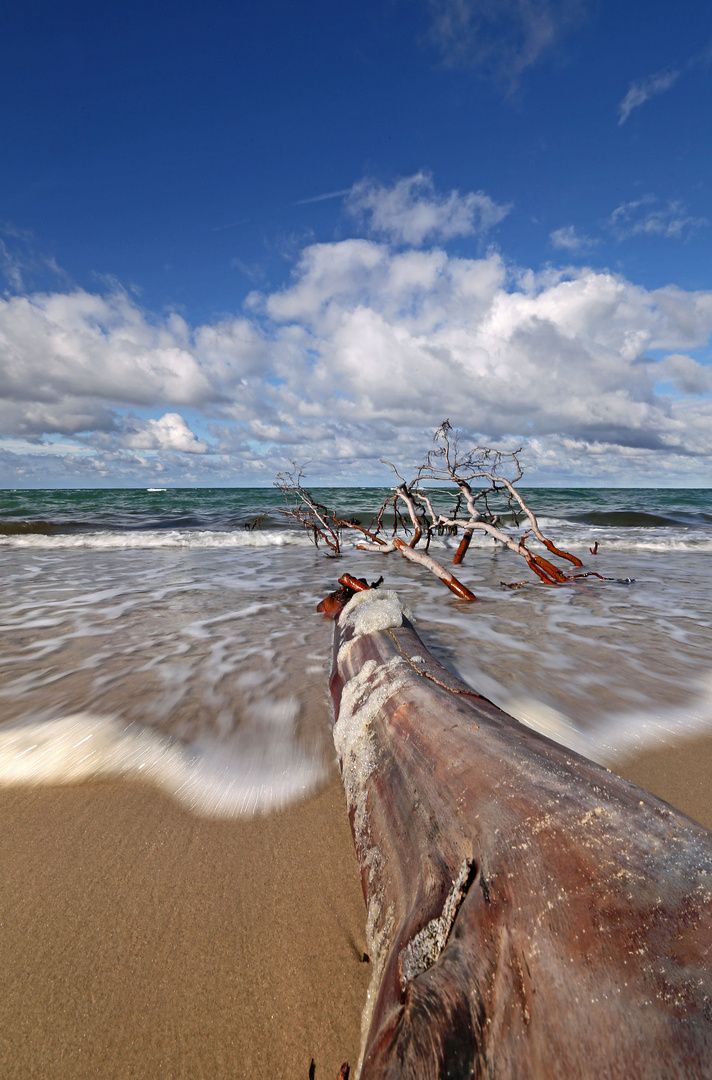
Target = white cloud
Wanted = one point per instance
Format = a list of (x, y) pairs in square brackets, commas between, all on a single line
[(567, 239), (647, 217), (688, 375), (500, 39), (170, 432), (360, 357), (411, 211), (422, 337), (21, 267), (67, 358), (11, 267), (643, 89)]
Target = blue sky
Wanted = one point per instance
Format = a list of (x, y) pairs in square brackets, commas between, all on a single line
[(236, 235)]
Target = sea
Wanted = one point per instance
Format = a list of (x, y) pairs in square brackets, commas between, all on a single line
[(163, 634)]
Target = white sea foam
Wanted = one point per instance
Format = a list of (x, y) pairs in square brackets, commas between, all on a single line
[(697, 543), (203, 648), (206, 779), (158, 538), (574, 538), (581, 539), (621, 735)]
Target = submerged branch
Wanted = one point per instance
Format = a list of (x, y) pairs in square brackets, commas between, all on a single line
[(462, 549), (435, 567), (480, 475)]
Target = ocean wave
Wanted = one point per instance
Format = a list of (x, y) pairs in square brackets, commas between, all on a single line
[(29, 528), (117, 523), (206, 780), (619, 736), (636, 519), (578, 542), (110, 539), (571, 539), (661, 545)]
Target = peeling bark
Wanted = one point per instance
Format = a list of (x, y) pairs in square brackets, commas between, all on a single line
[(531, 916)]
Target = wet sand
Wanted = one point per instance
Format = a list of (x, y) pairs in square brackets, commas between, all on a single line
[(680, 773), (140, 941)]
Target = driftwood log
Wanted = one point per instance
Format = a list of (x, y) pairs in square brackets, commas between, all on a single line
[(530, 914)]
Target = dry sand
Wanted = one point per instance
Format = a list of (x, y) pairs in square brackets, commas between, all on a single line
[(139, 941)]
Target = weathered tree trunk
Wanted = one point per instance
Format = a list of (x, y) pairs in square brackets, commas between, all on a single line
[(530, 914)]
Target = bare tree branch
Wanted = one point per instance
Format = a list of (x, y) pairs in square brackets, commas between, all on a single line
[(465, 478), (435, 567)]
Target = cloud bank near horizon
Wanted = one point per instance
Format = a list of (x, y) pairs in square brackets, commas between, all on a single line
[(371, 344)]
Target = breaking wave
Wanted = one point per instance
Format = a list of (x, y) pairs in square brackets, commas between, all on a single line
[(207, 780), (152, 538)]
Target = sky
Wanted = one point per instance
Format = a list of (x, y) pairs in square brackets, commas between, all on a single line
[(234, 236)]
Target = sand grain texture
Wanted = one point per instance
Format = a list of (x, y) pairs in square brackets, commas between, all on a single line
[(680, 773), (139, 941)]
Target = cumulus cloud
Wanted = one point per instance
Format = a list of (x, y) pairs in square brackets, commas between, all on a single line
[(170, 432), (400, 339), (360, 356), (642, 89), (500, 39), (567, 239), (648, 217), (688, 375), (411, 211), (423, 336), (67, 358)]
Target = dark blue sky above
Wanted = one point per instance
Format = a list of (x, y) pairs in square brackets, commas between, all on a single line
[(167, 144), (193, 158)]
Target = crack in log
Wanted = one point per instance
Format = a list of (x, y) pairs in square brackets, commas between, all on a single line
[(423, 950), (412, 660)]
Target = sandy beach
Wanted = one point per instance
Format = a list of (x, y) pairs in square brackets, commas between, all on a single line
[(680, 773), (141, 941)]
